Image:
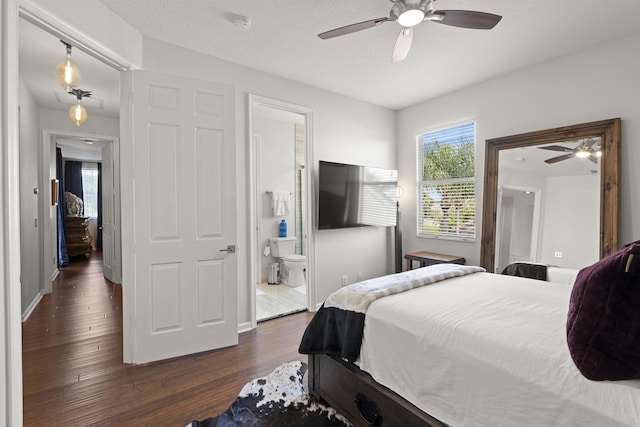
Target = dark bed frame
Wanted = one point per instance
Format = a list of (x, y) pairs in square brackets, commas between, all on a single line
[(357, 396)]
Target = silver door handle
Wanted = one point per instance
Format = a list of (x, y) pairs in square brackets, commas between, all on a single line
[(230, 249)]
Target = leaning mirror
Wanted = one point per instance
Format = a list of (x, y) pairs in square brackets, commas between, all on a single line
[(559, 145)]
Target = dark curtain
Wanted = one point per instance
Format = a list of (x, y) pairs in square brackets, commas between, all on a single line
[(73, 177), (63, 256), (99, 230)]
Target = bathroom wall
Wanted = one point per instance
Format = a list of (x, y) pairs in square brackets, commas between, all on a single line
[(277, 162)]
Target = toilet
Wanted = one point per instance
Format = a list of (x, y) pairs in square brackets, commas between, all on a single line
[(292, 265)]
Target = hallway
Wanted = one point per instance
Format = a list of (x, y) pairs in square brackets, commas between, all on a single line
[(72, 361)]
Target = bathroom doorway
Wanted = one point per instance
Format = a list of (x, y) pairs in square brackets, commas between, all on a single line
[(281, 191)]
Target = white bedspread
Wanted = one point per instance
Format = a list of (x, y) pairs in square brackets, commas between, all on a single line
[(489, 350)]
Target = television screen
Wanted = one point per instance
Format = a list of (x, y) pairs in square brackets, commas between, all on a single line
[(356, 196)]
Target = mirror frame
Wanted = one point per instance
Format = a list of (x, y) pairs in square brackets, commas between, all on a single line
[(609, 133)]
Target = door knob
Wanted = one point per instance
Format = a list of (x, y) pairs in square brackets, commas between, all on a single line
[(230, 249)]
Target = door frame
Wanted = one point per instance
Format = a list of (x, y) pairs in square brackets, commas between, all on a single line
[(535, 223), (10, 298), (10, 311), (49, 245), (255, 196)]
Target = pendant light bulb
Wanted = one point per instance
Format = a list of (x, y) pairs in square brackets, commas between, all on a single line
[(67, 73), (77, 113)]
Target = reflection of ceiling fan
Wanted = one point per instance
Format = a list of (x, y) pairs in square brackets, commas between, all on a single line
[(409, 13), (585, 150)]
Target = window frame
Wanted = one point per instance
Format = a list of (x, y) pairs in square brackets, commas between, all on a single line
[(93, 168), (421, 183)]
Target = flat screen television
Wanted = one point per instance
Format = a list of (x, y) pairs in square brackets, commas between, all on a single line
[(356, 196)]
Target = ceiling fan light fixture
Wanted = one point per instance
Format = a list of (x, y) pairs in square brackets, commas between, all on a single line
[(411, 17), (583, 154)]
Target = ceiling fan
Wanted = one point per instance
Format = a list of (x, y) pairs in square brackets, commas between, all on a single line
[(585, 149), (409, 13)]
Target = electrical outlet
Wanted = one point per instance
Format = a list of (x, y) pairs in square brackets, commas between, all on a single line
[(345, 279), (558, 254), (359, 277)]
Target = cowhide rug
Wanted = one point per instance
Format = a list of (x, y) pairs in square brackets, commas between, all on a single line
[(279, 399)]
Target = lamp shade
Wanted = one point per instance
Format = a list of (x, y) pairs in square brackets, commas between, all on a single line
[(78, 114)]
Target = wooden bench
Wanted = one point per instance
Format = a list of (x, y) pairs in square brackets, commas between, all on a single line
[(430, 258)]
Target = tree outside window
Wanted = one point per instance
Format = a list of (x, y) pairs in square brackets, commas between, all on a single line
[(446, 187)]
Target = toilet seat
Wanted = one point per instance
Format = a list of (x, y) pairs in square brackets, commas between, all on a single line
[(295, 258)]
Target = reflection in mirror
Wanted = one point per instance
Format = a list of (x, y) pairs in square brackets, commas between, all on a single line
[(548, 204), (563, 145)]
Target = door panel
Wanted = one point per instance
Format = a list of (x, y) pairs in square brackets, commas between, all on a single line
[(108, 212), (184, 196)]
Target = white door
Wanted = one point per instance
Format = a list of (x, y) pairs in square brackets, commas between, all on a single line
[(108, 212), (184, 216)]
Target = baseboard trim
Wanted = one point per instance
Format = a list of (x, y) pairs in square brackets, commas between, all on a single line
[(32, 306), (244, 327)]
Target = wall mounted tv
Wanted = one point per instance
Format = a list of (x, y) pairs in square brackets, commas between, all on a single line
[(356, 196)]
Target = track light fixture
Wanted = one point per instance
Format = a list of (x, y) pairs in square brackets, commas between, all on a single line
[(77, 113), (67, 73)]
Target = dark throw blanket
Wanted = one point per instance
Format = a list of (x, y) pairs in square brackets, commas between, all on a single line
[(337, 328), (523, 269), (277, 400)]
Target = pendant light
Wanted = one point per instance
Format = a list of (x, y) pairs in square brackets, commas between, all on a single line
[(77, 113), (67, 73)]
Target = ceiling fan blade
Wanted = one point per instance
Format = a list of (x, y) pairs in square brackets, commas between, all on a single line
[(468, 19), (348, 29), (593, 159), (403, 45), (556, 148), (559, 158)]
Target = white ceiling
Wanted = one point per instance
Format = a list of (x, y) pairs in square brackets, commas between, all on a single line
[(283, 40), (531, 160)]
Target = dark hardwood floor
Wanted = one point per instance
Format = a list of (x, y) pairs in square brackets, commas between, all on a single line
[(73, 373)]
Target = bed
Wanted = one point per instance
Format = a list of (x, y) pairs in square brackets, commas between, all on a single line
[(478, 349), (538, 271)]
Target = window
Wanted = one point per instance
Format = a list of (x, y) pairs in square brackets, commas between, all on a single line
[(446, 186), (90, 189)]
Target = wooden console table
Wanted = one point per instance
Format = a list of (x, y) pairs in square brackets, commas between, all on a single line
[(430, 258)]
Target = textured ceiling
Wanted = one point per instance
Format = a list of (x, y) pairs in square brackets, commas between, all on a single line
[(283, 40)]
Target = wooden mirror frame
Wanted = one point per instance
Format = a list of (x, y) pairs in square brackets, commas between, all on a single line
[(609, 133)]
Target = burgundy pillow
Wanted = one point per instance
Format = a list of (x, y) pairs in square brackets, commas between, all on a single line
[(603, 325)]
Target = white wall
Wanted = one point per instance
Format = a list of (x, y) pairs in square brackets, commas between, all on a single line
[(572, 209), (95, 125), (344, 129), (597, 83), (30, 273), (277, 172)]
